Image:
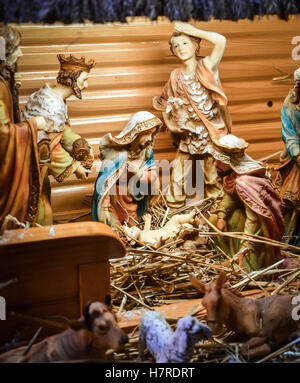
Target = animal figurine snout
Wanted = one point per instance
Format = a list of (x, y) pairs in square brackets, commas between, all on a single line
[(124, 339), (197, 331)]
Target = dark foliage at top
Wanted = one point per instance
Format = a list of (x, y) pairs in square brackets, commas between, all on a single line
[(102, 11)]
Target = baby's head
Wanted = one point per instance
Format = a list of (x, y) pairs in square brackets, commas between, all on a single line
[(132, 232)]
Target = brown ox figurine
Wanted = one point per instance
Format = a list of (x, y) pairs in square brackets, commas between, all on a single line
[(256, 321), (89, 337)]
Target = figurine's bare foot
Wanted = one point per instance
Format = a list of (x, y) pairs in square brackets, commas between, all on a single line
[(240, 256), (82, 173), (192, 214), (147, 220)]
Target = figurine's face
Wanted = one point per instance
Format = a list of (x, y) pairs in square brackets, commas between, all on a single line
[(147, 138), (80, 84), (13, 57), (183, 47), (82, 81)]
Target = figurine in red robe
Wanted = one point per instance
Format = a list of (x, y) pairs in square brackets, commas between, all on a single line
[(249, 204)]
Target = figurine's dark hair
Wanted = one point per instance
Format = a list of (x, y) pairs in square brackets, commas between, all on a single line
[(12, 38), (195, 40), (69, 78)]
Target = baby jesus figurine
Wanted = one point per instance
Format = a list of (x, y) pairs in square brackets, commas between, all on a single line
[(176, 227)]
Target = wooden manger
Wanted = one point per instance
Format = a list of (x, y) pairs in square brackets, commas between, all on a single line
[(55, 270)]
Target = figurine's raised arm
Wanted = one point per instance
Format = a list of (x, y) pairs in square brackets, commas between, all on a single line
[(218, 40)]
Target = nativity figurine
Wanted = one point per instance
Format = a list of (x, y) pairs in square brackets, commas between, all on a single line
[(62, 152), (260, 323), (194, 108), (175, 228), (127, 179), (249, 205), (88, 338), (19, 154), (166, 345), (289, 170)]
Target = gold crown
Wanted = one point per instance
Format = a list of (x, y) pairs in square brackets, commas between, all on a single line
[(73, 63)]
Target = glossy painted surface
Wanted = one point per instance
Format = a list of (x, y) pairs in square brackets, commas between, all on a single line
[(133, 62)]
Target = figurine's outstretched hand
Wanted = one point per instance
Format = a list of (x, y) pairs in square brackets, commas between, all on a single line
[(190, 30), (135, 167), (106, 217), (179, 26), (82, 173), (184, 28), (18, 79)]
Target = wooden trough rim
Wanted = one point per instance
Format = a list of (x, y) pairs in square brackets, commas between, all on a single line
[(172, 312), (95, 231)]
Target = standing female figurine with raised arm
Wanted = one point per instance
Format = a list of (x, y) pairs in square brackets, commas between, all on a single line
[(194, 108)]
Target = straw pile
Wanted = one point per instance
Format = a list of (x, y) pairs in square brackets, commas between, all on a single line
[(146, 277)]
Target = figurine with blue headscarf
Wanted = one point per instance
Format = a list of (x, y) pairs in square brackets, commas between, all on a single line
[(289, 170), (127, 179)]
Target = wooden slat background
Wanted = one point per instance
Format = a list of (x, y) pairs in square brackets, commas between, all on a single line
[(133, 62)]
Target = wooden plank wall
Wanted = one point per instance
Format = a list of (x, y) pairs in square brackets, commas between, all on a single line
[(133, 62)]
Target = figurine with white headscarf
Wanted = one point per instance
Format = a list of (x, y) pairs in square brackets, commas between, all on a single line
[(127, 179), (249, 205)]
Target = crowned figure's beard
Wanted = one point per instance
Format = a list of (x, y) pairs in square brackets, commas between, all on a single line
[(77, 91)]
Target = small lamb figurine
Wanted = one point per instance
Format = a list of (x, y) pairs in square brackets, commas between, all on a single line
[(165, 345)]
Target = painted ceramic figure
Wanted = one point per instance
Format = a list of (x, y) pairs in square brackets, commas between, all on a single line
[(166, 345), (19, 157), (62, 151), (127, 179), (250, 205), (194, 108), (290, 158), (175, 228), (262, 323)]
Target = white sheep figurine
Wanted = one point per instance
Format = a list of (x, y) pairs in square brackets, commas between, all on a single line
[(165, 345)]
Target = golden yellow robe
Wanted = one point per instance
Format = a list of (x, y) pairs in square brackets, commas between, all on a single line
[(19, 163)]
